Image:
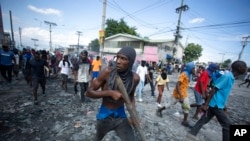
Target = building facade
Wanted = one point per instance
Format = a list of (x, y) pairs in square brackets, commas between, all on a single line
[(165, 48)]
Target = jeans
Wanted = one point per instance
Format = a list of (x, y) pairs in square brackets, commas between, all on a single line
[(7, 69), (120, 125), (139, 89), (210, 113), (83, 86), (152, 87)]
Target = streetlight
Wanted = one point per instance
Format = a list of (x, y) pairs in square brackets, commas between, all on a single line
[(35, 45)]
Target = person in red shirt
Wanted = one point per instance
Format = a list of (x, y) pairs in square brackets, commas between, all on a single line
[(201, 86)]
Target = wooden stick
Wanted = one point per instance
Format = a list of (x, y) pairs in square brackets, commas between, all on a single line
[(129, 107)]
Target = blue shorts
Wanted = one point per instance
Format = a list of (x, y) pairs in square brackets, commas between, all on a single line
[(95, 74), (198, 98)]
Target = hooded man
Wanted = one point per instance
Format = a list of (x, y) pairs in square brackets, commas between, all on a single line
[(111, 115), (180, 92)]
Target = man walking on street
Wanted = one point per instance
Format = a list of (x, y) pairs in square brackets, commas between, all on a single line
[(201, 86), (142, 71), (111, 115), (96, 67), (36, 71), (6, 58), (82, 72), (217, 100)]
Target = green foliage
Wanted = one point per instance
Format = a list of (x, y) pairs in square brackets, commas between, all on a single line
[(192, 52), (226, 63), (114, 27), (94, 45)]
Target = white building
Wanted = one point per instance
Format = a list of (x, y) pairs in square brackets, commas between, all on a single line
[(165, 48)]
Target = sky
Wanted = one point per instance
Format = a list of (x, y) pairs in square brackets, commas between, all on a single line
[(218, 26)]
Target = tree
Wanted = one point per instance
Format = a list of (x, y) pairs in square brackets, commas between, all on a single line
[(226, 64), (94, 45), (115, 27), (192, 52)]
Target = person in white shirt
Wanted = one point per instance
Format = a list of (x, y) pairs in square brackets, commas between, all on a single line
[(82, 74), (142, 71), (65, 66)]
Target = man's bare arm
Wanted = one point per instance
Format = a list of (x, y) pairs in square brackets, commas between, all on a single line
[(100, 82)]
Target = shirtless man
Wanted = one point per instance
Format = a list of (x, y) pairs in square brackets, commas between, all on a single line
[(111, 115)]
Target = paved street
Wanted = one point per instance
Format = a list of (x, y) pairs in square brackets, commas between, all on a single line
[(61, 117)]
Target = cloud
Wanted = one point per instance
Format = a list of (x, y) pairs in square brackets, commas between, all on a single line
[(197, 20), (48, 11), (43, 36)]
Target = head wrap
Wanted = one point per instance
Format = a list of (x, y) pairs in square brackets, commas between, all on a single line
[(127, 75), (164, 74), (188, 69), (212, 68)]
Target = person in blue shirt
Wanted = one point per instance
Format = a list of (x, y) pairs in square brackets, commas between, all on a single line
[(6, 58), (217, 99)]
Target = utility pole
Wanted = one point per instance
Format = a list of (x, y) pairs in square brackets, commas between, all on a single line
[(12, 33), (102, 32), (244, 44), (20, 34), (79, 34), (177, 33), (50, 24), (35, 45)]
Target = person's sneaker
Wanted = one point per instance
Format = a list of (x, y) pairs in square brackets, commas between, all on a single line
[(140, 100), (191, 137), (159, 105)]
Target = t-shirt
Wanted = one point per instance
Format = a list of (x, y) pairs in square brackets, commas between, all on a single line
[(142, 71), (6, 57), (161, 81), (66, 67), (184, 83), (17, 59), (37, 68), (203, 78), (83, 69), (224, 85), (96, 65)]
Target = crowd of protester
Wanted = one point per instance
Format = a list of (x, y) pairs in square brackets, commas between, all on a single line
[(37, 66)]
